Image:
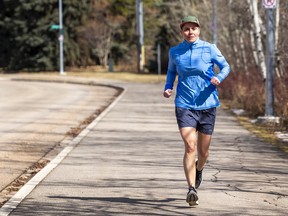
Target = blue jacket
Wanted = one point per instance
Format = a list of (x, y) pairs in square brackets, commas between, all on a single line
[(194, 62)]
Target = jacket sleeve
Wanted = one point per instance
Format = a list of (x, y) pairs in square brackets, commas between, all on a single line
[(171, 72), (221, 62)]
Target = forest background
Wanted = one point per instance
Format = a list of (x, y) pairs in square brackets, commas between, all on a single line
[(98, 30)]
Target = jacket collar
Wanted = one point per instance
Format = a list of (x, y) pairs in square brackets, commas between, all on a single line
[(186, 43)]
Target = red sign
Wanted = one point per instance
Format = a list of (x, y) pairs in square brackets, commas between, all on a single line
[(269, 3)]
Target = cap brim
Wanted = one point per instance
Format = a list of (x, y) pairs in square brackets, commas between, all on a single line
[(182, 24)]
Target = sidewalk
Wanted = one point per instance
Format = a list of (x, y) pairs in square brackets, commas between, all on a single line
[(130, 163)]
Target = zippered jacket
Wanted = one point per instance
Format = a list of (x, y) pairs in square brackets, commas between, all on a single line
[(194, 63)]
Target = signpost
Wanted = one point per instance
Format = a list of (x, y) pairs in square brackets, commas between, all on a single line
[(61, 39), (269, 5), (140, 34)]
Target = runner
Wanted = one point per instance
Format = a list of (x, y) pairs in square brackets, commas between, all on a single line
[(196, 97)]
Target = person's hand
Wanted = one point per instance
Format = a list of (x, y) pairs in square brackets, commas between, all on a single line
[(167, 93), (215, 81)]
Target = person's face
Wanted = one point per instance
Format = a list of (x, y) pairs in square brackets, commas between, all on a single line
[(190, 32)]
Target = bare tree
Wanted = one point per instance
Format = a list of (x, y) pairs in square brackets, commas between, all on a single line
[(257, 35), (279, 72), (98, 35)]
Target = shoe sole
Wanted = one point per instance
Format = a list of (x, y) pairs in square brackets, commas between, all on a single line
[(192, 199), (194, 203)]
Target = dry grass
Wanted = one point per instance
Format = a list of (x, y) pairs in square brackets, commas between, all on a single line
[(100, 73), (121, 76), (266, 133)]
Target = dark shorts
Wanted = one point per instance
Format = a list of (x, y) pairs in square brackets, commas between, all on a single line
[(202, 120)]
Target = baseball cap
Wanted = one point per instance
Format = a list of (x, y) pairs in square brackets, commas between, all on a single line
[(189, 19)]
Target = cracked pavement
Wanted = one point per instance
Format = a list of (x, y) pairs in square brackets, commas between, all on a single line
[(131, 164)]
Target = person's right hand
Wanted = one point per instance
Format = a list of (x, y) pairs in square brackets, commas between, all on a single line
[(167, 93)]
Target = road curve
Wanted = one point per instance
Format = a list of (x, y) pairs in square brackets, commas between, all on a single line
[(36, 117), (130, 163)]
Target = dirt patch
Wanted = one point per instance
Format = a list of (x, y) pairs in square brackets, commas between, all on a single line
[(15, 186)]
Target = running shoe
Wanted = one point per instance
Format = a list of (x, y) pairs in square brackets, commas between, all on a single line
[(192, 197), (198, 180)]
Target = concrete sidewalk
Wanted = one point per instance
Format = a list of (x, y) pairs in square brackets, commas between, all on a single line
[(130, 163)]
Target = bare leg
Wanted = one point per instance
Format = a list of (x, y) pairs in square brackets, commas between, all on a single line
[(189, 136), (203, 149)]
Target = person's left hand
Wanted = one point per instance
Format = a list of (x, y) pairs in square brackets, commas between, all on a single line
[(215, 81)]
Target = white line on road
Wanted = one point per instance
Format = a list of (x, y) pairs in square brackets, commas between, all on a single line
[(14, 201)]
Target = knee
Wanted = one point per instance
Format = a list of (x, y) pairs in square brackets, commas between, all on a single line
[(203, 154), (190, 148)]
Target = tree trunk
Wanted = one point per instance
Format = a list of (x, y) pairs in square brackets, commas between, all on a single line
[(257, 33), (243, 53), (279, 72)]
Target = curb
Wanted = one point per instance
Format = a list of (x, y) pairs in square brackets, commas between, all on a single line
[(14, 201)]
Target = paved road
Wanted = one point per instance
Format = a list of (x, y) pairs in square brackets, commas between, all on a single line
[(35, 117), (130, 163)]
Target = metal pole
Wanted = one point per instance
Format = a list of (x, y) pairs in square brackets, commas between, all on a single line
[(270, 64), (159, 59), (214, 22), (140, 34), (61, 38)]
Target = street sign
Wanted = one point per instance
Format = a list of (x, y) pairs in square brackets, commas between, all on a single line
[(53, 27), (269, 4)]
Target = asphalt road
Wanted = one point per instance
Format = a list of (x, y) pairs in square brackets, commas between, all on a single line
[(34, 121), (130, 163)]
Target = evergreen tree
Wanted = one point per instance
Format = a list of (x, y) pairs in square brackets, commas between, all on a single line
[(30, 45), (6, 35)]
